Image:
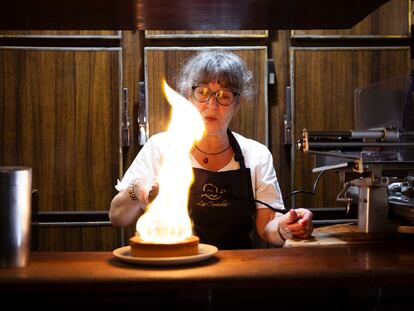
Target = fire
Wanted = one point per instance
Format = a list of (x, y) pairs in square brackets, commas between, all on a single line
[(166, 219)]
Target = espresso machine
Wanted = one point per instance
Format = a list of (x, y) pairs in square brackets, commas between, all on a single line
[(375, 161)]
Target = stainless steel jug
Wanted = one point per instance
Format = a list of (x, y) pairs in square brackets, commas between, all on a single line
[(15, 215)]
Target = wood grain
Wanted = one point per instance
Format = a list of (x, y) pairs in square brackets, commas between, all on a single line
[(184, 14), (199, 34), (360, 265), (60, 116), (389, 20), (102, 34)]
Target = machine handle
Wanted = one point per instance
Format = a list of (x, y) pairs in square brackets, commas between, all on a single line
[(142, 116), (126, 135), (287, 118)]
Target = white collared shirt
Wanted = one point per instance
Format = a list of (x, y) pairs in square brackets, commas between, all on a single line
[(257, 157)]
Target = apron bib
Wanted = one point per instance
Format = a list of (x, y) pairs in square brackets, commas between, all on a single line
[(221, 205)]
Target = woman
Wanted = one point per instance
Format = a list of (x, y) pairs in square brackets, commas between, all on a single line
[(234, 177)]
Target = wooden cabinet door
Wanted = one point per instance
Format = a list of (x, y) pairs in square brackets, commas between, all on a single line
[(391, 20), (165, 63), (323, 82), (59, 114)]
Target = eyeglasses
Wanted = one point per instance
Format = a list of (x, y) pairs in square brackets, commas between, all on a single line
[(203, 94)]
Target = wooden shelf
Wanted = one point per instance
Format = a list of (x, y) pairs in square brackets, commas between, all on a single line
[(183, 14)]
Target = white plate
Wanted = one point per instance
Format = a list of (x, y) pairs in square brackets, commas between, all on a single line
[(205, 251)]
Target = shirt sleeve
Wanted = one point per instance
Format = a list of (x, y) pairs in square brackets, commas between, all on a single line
[(146, 163), (266, 186)]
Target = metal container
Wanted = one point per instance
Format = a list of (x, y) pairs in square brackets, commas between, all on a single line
[(15, 215)]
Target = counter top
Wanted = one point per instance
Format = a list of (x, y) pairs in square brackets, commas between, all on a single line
[(358, 266), (337, 266)]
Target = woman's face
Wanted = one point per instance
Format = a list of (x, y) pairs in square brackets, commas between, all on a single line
[(216, 117)]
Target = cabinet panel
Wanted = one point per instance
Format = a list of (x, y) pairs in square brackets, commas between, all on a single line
[(198, 34), (391, 20), (110, 34), (165, 63), (78, 238), (323, 82), (59, 114)]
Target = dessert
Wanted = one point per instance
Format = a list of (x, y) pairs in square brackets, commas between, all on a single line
[(186, 247)]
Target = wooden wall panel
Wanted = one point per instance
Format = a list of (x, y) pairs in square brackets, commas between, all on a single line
[(277, 108), (59, 114), (164, 63), (323, 83), (132, 73), (61, 33), (392, 20), (78, 238), (198, 34)]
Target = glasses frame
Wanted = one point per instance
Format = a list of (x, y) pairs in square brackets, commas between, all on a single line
[(215, 95)]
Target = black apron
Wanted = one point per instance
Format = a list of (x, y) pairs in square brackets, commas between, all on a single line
[(221, 204)]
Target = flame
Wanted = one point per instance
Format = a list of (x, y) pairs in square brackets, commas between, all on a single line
[(166, 219)]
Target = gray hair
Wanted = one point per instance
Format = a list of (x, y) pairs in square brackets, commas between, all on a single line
[(225, 68)]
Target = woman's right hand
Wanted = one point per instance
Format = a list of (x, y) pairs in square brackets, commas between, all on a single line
[(146, 189), (152, 194), (125, 211)]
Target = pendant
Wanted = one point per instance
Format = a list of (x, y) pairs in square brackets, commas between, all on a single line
[(205, 161)]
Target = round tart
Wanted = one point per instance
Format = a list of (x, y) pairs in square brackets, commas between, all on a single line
[(187, 247)]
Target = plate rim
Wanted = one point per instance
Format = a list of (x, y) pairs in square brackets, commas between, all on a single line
[(205, 251)]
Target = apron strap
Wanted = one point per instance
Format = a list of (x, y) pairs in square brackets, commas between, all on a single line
[(238, 155)]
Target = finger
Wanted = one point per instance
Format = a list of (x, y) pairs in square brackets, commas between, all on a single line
[(153, 193), (298, 226), (143, 196), (302, 231), (304, 214), (290, 217)]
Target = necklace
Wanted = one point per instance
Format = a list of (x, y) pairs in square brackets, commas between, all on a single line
[(205, 160)]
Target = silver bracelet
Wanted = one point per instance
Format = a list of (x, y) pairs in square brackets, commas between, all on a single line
[(131, 191)]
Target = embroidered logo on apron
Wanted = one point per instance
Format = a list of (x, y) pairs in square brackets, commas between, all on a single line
[(212, 196)]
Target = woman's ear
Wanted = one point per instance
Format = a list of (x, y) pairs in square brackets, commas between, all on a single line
[(236, 107)]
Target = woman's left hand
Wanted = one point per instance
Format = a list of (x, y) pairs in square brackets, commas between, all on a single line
[(298, 222)]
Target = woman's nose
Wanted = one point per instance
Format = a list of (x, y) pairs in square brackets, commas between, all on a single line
[(212, 102)]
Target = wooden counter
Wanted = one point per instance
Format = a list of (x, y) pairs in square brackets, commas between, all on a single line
[(356, 274)]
